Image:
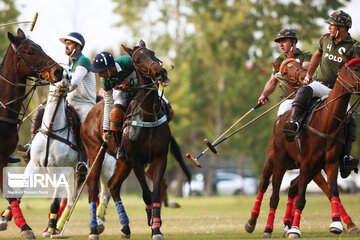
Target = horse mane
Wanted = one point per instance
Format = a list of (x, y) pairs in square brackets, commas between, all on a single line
[(2, 62)]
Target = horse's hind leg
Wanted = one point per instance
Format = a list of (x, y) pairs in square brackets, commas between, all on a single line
[(51, 228), (290, 206), (321, 182), (122, 171), (263, 185)]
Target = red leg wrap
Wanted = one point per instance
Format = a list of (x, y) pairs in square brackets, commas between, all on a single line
[(294, 206), (335, 207), (256, 209), (345, 217), (270, 221), (297, 216), (289, 207), (18, 216)]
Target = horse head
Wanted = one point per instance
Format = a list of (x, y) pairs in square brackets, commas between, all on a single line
[(147, 64), (291, 72), (61, 87), (349, 75), (32, 60)]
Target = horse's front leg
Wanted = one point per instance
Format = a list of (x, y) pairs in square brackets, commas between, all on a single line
[(159, 171), (26, 231), (146, 193), (122, 171), (332, 173), (53, 216), (304, 178)]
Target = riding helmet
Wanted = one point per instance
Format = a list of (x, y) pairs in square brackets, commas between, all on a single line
[(75, 37), (286, 33), (340, 18), (102, 62)]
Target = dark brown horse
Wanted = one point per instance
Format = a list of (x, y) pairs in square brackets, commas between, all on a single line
[(23, 59), (146, 138), (279, 159)]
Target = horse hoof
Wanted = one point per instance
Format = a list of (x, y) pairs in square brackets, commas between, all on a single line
[(172, 204), (249, 228), (101, 226), (354, 230), (93, 237), (3, 224), (336, 227), (284, 231), (46, 235), (158, 237), (28, 234), (293, 233), (266, 235), (123, 235)]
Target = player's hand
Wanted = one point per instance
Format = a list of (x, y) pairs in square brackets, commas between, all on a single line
[(263, 100)]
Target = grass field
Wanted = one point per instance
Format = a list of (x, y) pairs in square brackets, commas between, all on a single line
[(198, 218)]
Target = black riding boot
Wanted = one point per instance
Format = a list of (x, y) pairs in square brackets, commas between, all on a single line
[(348, 163), (302, 98), (120, 151)]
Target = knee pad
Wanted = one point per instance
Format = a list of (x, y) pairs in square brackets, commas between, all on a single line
[(116, 117)]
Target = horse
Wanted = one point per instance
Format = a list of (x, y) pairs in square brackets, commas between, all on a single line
[(144, 145), (24, 59), (278, 160)]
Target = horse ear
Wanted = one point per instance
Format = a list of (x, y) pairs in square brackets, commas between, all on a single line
[(128, 50), (276, 66), (11, 37), (142, 43), (20, 33)]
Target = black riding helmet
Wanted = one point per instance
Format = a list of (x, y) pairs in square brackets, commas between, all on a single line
[(340, 18), (286, 33)]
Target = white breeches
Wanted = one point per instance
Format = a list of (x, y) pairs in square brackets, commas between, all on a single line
[(285, 106)]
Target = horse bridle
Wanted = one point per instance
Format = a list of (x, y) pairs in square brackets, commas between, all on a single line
[(38, 70), (146, 73)]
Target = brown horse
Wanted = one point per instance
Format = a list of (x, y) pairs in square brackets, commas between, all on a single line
[(278, 160), (146, 138), (23, 59)]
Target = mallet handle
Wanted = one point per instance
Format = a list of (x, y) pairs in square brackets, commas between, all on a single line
[(34, 21)]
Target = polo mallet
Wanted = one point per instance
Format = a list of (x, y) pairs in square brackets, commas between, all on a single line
[(29, 115), (33, 22), (195, 160), (101, 151), (217, 142)]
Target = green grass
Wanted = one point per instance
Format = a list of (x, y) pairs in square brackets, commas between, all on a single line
[(198, 218)]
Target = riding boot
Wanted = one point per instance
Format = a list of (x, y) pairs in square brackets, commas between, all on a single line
[(81, 166), (120, 151), (302, 98), (116, 121), (348, 163)]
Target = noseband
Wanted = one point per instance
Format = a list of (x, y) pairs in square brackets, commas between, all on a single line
[(145, 72), (38, 70)]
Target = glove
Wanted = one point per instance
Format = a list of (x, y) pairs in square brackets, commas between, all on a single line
[(263, 100), (106, 135), (306, 80)]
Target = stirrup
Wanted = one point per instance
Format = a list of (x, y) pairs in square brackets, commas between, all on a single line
[(349, 164), (290, 130), (81, 168)]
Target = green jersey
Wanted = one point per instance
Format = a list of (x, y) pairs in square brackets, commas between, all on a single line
[(126, 68), (301, 56), (331, 61)]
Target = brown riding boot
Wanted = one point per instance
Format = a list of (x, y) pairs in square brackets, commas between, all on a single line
[(302, 98)]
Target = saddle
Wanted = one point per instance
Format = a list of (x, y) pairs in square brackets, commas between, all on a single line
[(304, 120)]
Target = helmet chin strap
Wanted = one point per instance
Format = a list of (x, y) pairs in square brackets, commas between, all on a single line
[(337, 33), (72, 53)]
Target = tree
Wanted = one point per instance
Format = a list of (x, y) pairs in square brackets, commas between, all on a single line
[(8, 14)]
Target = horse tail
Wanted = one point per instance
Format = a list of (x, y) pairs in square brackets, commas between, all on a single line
[(175, 150)]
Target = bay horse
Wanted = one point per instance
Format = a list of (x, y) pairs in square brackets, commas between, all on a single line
[(278, 160), (146, 138), (23, 60)]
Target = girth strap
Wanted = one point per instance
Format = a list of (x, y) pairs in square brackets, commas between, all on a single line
[(323, 135), (52, 135)]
